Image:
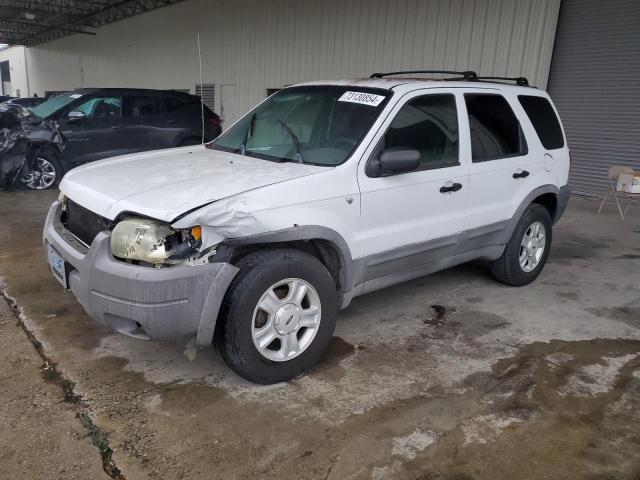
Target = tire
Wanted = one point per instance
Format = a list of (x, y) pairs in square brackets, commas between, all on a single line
[(241, 315), (47, 174), (189, 142), (508, 269)]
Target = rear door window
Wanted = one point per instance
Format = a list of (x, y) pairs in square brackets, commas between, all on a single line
[(495, 129), (143, 106), (174, 104), (544, 120)]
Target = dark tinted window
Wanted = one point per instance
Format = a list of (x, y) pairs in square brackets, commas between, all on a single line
[(495, 130), (173, 104), (544, 120), (139, 106), (428, 124)]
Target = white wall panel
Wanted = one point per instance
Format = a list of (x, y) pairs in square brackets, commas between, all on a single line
[(260, 44), (17, 63)]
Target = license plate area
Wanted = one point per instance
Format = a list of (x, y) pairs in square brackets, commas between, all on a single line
[(59, 267)]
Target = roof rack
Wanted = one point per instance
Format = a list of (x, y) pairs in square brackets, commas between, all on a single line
[(521, 81), (467, 75)]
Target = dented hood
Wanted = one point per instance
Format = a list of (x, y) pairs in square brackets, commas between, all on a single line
[(164, 184)]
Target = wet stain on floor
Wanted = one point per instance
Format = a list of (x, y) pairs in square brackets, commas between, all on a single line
[(628, 256), (438, 316), (329, 368), (629, 313), (568, 295), (525, 400), (574, 247)]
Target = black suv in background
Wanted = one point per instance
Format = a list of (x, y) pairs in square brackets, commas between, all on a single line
[(97, 123)]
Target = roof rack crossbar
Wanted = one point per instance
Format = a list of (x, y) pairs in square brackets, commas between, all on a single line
[(467, 74), (521, 81)]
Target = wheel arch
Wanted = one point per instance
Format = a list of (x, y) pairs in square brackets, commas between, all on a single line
[(545, 195), (327, 245), (549, 201), (46, 149)]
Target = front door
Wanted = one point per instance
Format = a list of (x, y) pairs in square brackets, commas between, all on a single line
[(411, 220), (91, 137)]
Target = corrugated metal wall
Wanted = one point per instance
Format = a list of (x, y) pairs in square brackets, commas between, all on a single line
[(260, 44), (595, 83)]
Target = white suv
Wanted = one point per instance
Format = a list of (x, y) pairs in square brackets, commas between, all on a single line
[(324, 191)]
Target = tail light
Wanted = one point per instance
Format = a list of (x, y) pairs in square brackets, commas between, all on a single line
[(214, 121)]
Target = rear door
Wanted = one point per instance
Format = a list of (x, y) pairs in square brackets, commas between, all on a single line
[(504, 168), (144, 123), (413, 219)]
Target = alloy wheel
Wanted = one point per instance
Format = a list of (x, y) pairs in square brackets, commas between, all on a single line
[(42, 176), (286, 319), (532, 247)]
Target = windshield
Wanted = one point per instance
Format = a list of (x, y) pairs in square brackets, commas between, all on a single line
[(54, 104), (318, 125)]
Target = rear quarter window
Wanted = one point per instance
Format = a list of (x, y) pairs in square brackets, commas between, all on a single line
[(544, 120)]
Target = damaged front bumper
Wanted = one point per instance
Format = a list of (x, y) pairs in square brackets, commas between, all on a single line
[(173, 304)]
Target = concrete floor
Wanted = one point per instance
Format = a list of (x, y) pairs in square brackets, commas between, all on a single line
[(452, 376)]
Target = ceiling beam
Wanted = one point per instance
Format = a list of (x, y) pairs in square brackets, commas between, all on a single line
[(57, 18)]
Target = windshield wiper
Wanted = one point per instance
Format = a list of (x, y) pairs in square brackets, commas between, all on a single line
[(296, 142), (250, 129)]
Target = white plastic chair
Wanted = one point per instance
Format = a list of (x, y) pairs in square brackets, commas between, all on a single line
[(614, 174)]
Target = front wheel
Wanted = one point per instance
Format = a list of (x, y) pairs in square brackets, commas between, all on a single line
[(526, 253), (45, 172), (278, 316)]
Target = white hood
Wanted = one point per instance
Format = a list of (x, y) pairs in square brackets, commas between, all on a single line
[(166, 183)]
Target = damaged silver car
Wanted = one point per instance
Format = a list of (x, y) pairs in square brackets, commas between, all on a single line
[(323, 192)]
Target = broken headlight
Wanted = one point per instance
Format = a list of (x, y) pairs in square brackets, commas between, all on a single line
[(151, 241)]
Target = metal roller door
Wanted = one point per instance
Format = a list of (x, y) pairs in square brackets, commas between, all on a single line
[(595, 83)]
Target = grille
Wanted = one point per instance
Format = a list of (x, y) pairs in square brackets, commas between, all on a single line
[(83, 223)]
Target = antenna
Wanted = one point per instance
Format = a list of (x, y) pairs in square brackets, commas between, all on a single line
[(201, 87)]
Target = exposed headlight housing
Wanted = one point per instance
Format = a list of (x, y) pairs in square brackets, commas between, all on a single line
[(144, 240)]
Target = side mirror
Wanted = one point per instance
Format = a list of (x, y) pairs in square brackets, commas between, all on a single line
[(76, 115), (393, 161)]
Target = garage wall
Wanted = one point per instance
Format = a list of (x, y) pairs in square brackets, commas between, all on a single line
[(18, 66), (595, 83), (257, 44)]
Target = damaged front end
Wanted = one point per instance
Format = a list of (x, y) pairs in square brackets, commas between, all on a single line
[(22, 135), (135, 297)]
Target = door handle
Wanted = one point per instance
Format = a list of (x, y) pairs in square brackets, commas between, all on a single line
[(454, 187), (522, 174), (116, 126)]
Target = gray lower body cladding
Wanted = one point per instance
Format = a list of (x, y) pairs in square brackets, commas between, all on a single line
[(487, 242), (563, 201), (170, 304)]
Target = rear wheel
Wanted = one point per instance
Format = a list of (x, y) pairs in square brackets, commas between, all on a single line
[(526, 253), (278, 316), (46, 172)]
